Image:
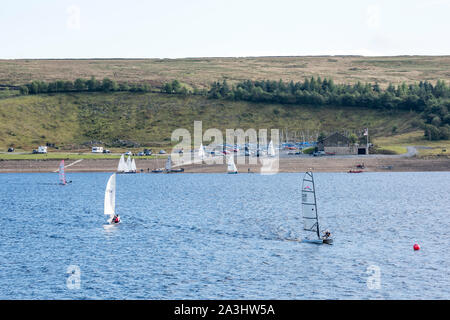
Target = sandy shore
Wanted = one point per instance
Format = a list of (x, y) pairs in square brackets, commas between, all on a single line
[(325, 164)]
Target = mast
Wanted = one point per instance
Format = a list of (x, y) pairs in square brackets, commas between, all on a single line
[(315, 205), (309, 205)]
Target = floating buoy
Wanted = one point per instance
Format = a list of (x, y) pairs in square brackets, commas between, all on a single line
[(416, 247)]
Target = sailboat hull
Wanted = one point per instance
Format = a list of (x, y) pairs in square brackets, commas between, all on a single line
[(318, 241), (232, 172)]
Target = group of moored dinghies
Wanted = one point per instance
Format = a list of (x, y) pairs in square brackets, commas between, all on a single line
[(128, 166)]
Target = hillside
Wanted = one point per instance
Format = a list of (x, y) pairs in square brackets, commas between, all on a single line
[(201, 72), (148, 119)]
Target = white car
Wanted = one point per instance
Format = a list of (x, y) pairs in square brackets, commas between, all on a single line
[(128, 153)]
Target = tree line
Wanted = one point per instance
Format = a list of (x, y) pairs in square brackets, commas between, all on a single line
[(432, 101), (82, 85)]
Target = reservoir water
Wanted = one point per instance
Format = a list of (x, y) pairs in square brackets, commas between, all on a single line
[(219, 236)]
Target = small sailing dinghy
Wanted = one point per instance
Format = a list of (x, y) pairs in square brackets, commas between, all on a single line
[(133, 166), (169, 169), (110, 201), (62, 174), (231, 167), (271, 150), (122, 167), (309, 209), (201, 152)]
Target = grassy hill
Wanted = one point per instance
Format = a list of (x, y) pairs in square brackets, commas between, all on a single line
[(201, 72), (148, 119)]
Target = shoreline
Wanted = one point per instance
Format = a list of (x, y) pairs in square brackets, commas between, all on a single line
[(323, 164)]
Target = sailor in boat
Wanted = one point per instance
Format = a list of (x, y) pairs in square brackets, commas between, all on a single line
[(115, 219), (326, 235)]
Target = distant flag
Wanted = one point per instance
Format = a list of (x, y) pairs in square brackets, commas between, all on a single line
[(366, 131)]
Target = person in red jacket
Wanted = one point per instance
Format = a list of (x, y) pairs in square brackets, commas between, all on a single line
[(116, 219)]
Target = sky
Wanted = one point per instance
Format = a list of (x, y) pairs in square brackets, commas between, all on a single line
[(222, 28)]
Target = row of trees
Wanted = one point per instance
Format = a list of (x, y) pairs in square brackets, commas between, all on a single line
[(81, 85), (316, 91), (432, 101)]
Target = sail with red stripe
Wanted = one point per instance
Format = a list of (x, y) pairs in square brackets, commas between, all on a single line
[(62, 174)]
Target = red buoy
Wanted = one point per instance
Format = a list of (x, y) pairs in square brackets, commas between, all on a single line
[(416, 247)]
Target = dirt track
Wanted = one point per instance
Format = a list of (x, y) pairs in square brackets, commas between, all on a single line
[(324, 164)]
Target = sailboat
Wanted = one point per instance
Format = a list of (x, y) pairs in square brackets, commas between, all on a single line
[(62, 174), (122, 167), (231, 167), (169, 164), (271, 150), (309, 208), (169, 169), (110, 199), (201, 152), (128, 166)]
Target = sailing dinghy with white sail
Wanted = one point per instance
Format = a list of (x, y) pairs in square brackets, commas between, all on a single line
[(128, 166), (110, 201), (231, 167), (201, 152), (309, 209), (271, 150)]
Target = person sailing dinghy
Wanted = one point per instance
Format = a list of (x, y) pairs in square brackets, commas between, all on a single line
[(110, 201), (62, 174), (309, 209)]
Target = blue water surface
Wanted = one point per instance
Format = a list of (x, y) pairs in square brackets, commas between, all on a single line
[(219, 236)]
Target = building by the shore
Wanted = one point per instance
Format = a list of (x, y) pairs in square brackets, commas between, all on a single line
[(337, 143)]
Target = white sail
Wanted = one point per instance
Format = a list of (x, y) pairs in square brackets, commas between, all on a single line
[(231, 166), (122, 167), (133, 166), (201, 152), (110, 197), (128, 164), (168, 164), (271, 150), (309, 205)]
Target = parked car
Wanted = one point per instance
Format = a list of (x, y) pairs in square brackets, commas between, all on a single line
[(106, 151), (10, 149), (319, 153), (140, 154), (148, 152), (162, 151), (41, 149), (128, 153)]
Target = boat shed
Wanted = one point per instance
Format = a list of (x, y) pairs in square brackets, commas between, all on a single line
[(337, 143)]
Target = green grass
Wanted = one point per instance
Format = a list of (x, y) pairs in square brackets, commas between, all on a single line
[(425, 148), (66, 156), (71, 121), (393, 149)]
